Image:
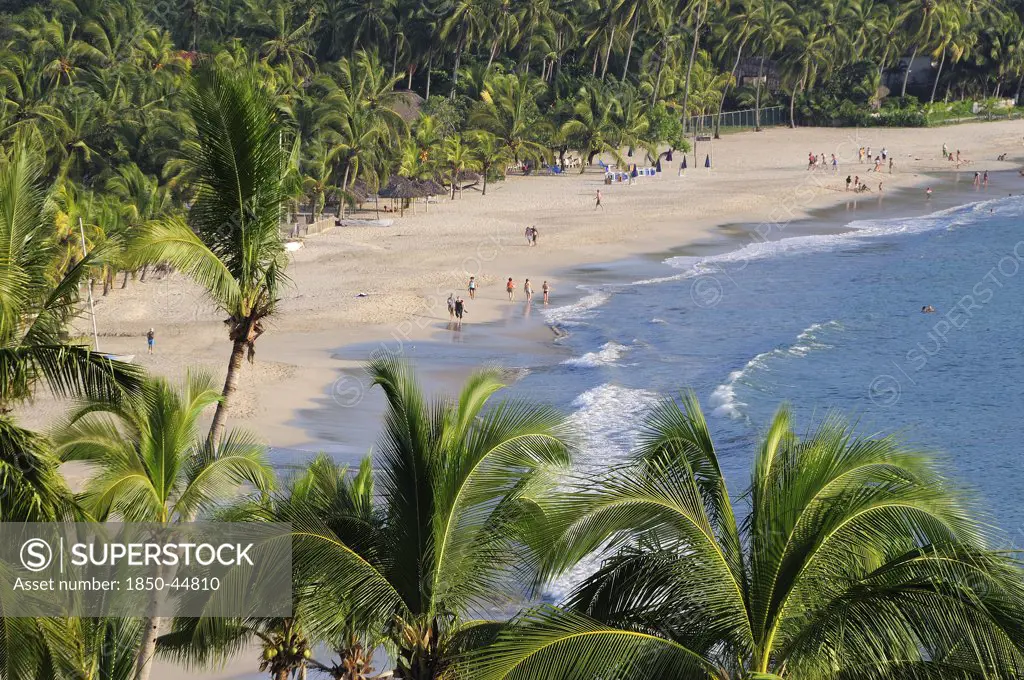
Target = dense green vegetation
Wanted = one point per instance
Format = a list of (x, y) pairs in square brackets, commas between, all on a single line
[(143, 134)]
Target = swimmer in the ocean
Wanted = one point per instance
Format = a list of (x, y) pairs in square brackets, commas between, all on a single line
[(927, 309)]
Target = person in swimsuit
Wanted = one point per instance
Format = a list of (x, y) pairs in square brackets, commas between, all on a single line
[(533, 236), (451, 306), (510, 288), (598, 202), (460, 309), (529, 236), (528, 290), (546, 289), (848, 180), (472, 287), (150, 339)]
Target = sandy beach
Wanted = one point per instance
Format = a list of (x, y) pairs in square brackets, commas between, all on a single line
[(388, 286), (357, 285)]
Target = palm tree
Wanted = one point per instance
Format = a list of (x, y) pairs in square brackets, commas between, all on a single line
[(488, 153), (458, 158), (769, 30), (38, 301), (592, 127), (856, 559), (439, 548), (508, 110), (152, 465), (231, 244)]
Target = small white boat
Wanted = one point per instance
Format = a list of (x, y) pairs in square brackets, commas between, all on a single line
[(366, 223)]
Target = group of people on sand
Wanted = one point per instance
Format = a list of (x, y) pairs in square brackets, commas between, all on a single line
[(531, 235), (854, 184), (819, 162), (510, 289), (457, 306)]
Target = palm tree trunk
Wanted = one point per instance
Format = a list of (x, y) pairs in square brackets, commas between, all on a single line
[(344, 188), (1020, 82), (394, 59), (230, 383), (145, 268), (885, 56), (494, 52), (728, 83), (484, 192), (430, 63), (792, 106), (458, 60), (906, 76), (147, 648), (124, 283), (608, 53), (147, 645), (757, 96), (632, 38), (282, 674), (689, 70), (593, 69), (938, 73), (454, 177)]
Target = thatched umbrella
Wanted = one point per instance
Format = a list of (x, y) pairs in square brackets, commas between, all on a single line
[(401, 188)]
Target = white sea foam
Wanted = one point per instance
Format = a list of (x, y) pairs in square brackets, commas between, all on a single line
[(693, 267), (568, 314), (724, 401), (605, 422), (606, 356)]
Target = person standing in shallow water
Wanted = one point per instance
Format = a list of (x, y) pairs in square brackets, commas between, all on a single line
[(460, 309), (528, 291), (545, 288), (510, 288), (451, 306)]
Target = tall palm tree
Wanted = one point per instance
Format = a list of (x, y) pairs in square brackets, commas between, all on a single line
[(441, 549), (592, 126), (38, 301), (856, 558), (458, 158), (509, 112), (152, 465), (231, 243), (488, 153), (770, 29)]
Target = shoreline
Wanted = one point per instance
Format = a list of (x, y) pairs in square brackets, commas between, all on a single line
[(407, 283)]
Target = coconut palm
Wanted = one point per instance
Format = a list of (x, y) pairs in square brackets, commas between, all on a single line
[(152, 465), (439, 547), (855, 558), (488, 153), (458, 158), (231, 243), (508, 110), (592, 127), (38, 301), (770, 29)]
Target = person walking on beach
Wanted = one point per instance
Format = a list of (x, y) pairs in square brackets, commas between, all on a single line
[(528, 291), (848, 181), (510, 288), (835, 165), (597, 203), (150, 339), (451, 306), (529, 236), (945, 151), (472, 287), (890, 165), (460, 309), (545, 288), (533, 237)]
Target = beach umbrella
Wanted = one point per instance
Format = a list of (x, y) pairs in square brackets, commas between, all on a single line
[(684, 162), (707, 161), (668, 156), (657, 167), (630, 152)]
